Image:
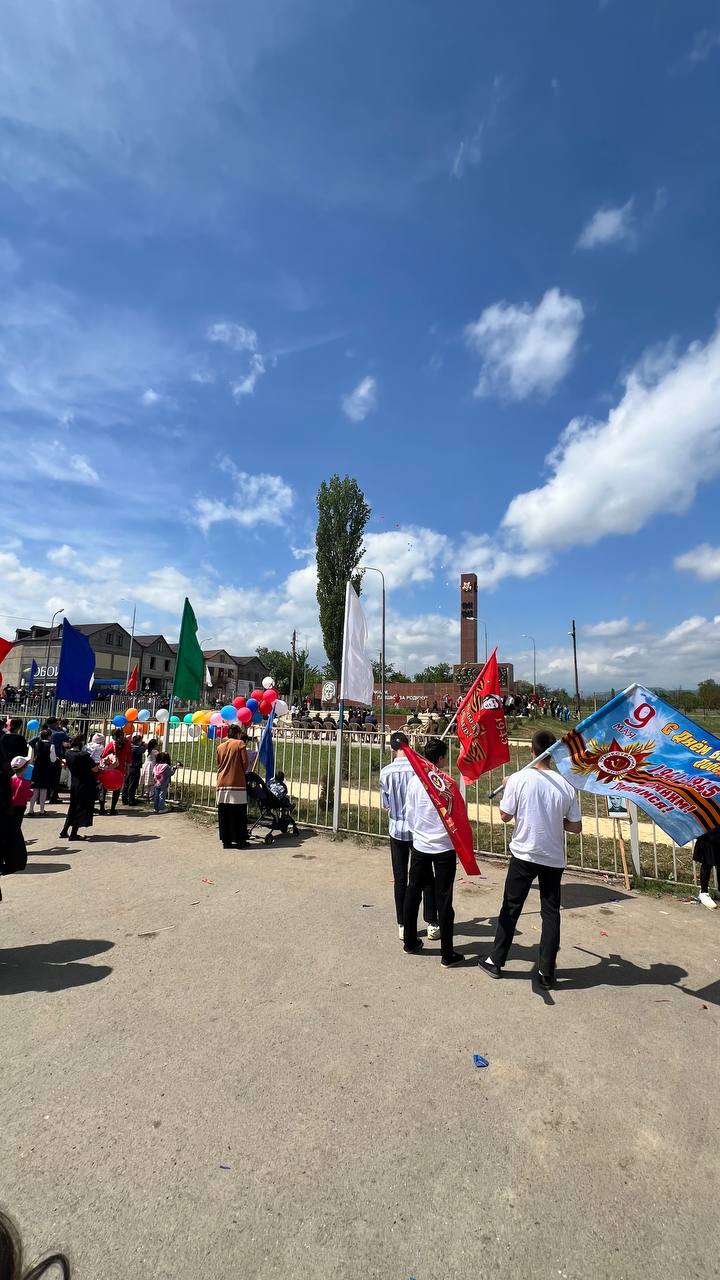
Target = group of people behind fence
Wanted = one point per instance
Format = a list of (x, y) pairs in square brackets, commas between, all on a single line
[(117, 768)]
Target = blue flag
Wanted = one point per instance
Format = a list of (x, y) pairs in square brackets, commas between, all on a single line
[(34, 668), (639, 747), (266, 750), (77, 666)]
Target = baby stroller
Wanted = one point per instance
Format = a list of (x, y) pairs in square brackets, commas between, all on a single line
[(272, 812)]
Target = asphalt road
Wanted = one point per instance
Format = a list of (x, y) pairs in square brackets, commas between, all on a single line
[(222, 1064)]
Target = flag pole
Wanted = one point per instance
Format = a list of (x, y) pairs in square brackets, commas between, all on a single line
[(132, 641), (341, 718)]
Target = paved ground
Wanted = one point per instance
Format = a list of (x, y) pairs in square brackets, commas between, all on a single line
[(168, 1009)]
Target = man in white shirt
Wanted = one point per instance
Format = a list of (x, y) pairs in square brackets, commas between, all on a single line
[(544, 807), (394, 779), (432, 861)]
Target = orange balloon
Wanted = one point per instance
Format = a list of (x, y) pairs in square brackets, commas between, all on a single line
[(131, 713), (159, 730), (207, 717), (128, 729)]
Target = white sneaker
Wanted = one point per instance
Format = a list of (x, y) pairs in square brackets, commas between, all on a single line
[(707, 901), (433, 931), (401, 932)]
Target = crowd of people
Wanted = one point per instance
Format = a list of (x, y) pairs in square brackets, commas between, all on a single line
[(97, 775)]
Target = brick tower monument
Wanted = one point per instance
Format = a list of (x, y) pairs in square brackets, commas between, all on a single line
[(468, 619)]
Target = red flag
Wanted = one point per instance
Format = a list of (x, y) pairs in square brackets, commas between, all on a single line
[(5, 647), (445, 795), (133, 681), (481, 725)]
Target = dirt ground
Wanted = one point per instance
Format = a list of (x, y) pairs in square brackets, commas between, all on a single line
[(221, 1064)]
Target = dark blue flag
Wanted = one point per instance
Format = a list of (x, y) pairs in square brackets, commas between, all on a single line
[(34, 668), (77, 666), (266, 750)]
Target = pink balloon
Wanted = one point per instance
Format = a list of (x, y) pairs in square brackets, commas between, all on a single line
[(245, 715), (216, 719)]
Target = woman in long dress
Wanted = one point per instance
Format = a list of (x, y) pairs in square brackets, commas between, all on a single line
[(83, 774), (232, 764)]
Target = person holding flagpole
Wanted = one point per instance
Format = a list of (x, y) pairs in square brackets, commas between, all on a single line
[(431, 820), (543, 806), (394, 780)]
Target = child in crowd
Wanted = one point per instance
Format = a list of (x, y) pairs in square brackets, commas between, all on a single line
[(20, 793), (147, 782), (162, 773), (95, 746), (279, 788)]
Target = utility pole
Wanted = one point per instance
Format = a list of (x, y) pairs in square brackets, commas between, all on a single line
[(292, 666), (573, 633)]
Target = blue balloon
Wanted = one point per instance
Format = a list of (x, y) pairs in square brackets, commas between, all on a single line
[(211, 731), (119, 722), (228, 712), (257, 718), (188, 718), (27, 775), (251, 704), (144, 716), (33, 725)]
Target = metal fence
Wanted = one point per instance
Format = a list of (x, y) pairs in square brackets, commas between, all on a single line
[(307, 758)]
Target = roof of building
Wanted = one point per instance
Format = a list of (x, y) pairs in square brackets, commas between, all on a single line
[(38, 632), (217, 653), (146, 641), (252, 658)]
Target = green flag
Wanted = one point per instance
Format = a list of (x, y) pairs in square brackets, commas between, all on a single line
[(189, 664)]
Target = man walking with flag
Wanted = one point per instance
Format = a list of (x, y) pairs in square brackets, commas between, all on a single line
[(394, 780), (544, 806), (437, 819)]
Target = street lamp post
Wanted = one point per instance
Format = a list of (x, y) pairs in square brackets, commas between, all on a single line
[(382, 650), (47, 654), (132, 641), (573, 633), (485, 630), (531, 638)]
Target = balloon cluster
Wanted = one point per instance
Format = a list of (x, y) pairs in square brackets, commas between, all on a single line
[(252, 710)]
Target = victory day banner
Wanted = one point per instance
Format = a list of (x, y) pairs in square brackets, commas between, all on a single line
[(639, 747), (481, 725), (445, 795)]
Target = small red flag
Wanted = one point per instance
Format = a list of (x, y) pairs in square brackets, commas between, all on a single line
[(481, 725), (445, 795), (133, 681)]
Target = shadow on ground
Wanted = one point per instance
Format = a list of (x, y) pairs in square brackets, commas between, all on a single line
[(51, 966)]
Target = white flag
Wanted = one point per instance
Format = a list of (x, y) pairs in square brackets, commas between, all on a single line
[(208, 677), (356, 684)]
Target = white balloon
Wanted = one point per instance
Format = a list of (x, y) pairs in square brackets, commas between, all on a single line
[(194, 730), (281, 708), (268, 683), (162, 714)]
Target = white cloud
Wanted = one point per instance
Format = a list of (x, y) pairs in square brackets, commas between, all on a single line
[(100, 567), (703, 561), (406, 555), (235, 336), (256, 499), (615, 627), (704, 44), (361, 401), (246, 386), (609, 226), (649, 456), (150, 397), (525, 350), (494, 562), (677, 658), (56, 462), (471, 148)]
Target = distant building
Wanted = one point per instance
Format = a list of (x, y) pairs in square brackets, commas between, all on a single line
[(109, 640), (221, 667), (157, 664)]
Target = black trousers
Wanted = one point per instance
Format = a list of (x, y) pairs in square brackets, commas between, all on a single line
[(438, 870), (131, 784), (400, 855), (519, 878), (232, 824)]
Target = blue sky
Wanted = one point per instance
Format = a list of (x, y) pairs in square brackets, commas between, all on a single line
[(465, 252)]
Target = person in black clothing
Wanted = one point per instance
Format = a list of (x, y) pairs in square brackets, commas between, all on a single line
[(132, 778), (60, 739), (13, 854), (13, 743), (706, 851), (83, 773)]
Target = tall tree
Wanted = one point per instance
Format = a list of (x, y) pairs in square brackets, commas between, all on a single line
[(441, 673), (342, 516)]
